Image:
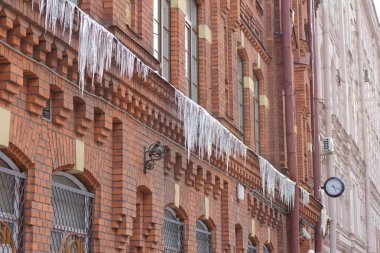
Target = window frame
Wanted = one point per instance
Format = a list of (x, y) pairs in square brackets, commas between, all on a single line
[(177, 222), (89, 198), (203, 231), (240, 91), (162, 43), (252, 248), (256, 99), (192, 33), (16, 218)]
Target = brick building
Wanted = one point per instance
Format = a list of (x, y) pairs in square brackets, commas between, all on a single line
[(72, 162)]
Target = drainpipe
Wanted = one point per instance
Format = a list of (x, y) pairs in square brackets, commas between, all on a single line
[(289, 125), (328, 109), (315, 125), (364, 129)]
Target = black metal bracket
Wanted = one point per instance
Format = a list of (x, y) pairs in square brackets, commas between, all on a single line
[(154, 153)]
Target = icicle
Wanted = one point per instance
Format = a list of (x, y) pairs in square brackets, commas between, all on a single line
[(96, 44), (204, 131), (324, 219), (305, 196), (270, 178)]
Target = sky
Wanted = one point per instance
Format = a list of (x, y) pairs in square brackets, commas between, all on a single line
[(377, 5)]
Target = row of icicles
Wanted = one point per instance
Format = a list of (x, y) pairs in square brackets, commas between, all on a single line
[(98, 48)]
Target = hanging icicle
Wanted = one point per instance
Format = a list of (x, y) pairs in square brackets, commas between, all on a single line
[(205, 132), (324, 220), (305, 196), (272, 178), (97, 46)]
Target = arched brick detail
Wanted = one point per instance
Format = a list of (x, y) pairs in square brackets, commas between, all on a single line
[(27, 142), (180, 211), (270, 247), (22, 161), (62, 150)]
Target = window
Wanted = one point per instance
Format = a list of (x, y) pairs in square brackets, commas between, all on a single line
[(251, 247), (191, 48), (128, 13), (72, 211), (203, 238), (173, 232), (46, 111), (265, 249), (257, 113), (74, 1), (11, 206), (240, 92), (161, 35)]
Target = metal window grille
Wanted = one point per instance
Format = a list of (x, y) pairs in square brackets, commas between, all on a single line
[(72, 227), (173, 233), (12, 185), (251, 247), (203, 238)]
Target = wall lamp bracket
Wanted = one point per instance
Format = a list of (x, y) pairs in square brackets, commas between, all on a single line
[(154, 153)]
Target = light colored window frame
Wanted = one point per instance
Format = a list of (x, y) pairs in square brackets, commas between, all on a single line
[(240, 91), (161, 35), (191, 50), (256, 126)]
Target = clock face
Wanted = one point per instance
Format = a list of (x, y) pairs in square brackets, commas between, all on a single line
[(334, 187)]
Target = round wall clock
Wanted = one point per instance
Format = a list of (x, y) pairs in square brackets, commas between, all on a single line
[(334, 187)]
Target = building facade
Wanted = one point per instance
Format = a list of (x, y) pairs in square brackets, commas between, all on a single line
[(349, 86), (82, 106)]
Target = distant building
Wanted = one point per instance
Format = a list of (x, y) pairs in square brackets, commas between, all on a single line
[(353, 77)]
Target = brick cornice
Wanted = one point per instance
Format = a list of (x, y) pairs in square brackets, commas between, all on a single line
[(256, 43)]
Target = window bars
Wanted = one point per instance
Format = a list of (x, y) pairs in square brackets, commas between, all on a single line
[(251, 247), (73, 211), (12, 185), (172, 232), (203, 238)]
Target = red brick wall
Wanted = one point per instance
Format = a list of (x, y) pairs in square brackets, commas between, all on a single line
[(117, 118)]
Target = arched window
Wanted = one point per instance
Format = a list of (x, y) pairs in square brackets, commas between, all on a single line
[(173, 232), (257, 113), (72, 211), (191, 47), (240, 92), (251, 247), (161, 35), (203, 238), (265, 249), (11, 205)]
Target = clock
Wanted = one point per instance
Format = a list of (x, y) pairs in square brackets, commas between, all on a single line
[(334, 187)]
